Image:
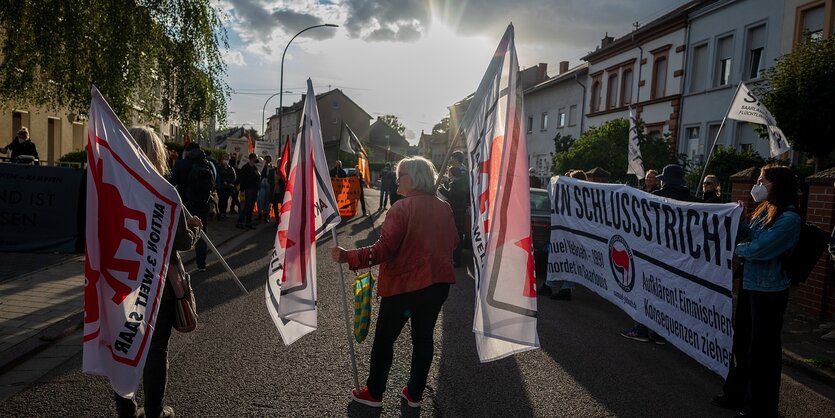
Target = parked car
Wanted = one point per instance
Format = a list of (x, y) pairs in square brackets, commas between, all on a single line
[(351, 171), (540, 229)]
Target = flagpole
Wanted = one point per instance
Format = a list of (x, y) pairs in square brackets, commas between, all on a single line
[(447, 157), (217, 253), (347, 320), (716, 139)]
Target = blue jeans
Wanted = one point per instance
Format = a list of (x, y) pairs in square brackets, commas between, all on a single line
[(422, 308)]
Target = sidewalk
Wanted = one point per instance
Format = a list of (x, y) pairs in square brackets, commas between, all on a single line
[(41, 295)]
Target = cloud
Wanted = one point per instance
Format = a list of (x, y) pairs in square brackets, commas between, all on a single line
[(234, 57)]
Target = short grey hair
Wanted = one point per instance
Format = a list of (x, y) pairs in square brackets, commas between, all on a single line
[(421, 171)]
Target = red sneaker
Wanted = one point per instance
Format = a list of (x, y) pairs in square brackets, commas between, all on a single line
[(364, 397), (414, 403)]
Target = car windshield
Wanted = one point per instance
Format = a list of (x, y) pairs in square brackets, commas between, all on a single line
[(540, 201)]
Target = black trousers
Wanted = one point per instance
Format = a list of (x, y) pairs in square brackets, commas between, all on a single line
[(155, 373), (223, 195), (422, 308), (757, 349)]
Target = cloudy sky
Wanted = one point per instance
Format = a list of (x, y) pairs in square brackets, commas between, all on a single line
[(410, 58)]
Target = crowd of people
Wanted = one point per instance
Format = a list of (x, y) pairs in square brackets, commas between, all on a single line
[(424, 230)]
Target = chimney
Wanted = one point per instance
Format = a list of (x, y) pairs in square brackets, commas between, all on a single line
[(606, 41), (542, 72), (563, 66)]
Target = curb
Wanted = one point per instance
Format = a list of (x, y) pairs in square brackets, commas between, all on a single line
[(26, 349), (796, 362)]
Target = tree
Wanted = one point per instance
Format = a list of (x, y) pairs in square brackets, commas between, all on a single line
[(442, 127), (800, 94), (394, 123), (162, 58), (724, 162), (606, 147)]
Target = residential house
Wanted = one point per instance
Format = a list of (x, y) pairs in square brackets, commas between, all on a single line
[(553, 107), (335, 109), (389, 145), (729, 42), (643, 71), (433, 147)]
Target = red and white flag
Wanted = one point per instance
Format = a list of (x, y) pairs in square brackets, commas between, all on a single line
[(309, 211), (505, 313), (132, 215)]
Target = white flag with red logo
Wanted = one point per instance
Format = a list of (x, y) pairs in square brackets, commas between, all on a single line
[(505, 316), (308, 211), (132, 215)]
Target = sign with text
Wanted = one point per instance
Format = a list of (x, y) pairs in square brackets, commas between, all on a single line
[(347, 191), (39, 208), (666, 263)]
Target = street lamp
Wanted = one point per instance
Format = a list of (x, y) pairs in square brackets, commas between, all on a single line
[(263, 109), (281, 82)]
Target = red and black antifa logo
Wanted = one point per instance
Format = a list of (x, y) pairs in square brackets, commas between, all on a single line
[(622, 263)]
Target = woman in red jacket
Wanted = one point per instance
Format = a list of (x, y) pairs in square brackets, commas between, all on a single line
[(415, 257)]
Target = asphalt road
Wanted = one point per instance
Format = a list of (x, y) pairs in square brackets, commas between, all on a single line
[(235, 363)]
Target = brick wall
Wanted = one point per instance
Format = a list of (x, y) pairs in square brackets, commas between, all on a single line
[(815, 297)]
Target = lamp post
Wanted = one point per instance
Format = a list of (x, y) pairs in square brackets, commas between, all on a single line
[(281, 82), (263, 109)]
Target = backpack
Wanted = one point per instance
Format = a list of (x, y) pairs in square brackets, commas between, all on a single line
[(799, 262), (201, 181)]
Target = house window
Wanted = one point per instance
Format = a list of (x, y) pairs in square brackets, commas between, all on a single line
[(724, 56), (694, 144), (595, 96), (544, 125), (561, 118), (626, 88), (572, 115), (530, 124), (712, 131), (698, 68), (812, 21), (659, 77), (335, 104), (612, 92), (756, 47), (746, 148)]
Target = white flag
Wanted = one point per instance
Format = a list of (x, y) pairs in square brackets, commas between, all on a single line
[(746, 107), (132, 215), (505, 315), (636, 163), (309, 210)]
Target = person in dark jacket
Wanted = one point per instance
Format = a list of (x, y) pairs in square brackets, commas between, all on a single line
[(712, 189), (225, 185), (21, 145), (179, 178), (387, 180), (250, 181), (338, 171), (155, 372), (266, 190), (672, 187), (457, 193), (534, 181)]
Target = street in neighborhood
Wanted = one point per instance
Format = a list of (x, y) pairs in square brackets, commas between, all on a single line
[(235, 364)]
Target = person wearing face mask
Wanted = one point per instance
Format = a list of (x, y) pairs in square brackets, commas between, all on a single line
[(753, 383)]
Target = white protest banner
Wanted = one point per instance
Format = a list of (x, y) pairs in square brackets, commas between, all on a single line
[(635, 163), (132, 215), (239, 147), (666, 263), (263, 148)]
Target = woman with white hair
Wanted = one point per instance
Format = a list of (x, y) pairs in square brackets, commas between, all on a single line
[(155, 373), (415, 257)]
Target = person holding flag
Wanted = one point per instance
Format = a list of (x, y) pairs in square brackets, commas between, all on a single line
[(413, 251)]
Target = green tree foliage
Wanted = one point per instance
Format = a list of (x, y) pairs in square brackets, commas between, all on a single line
[(800, 93), (160, 56), (442, 127), (606, 147), (725, 162), (394, 123)]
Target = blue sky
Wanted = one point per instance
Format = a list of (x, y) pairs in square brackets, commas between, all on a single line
[(410, 58)]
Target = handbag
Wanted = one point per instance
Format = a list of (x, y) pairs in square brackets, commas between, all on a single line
[(185, 317), (363, 287)]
